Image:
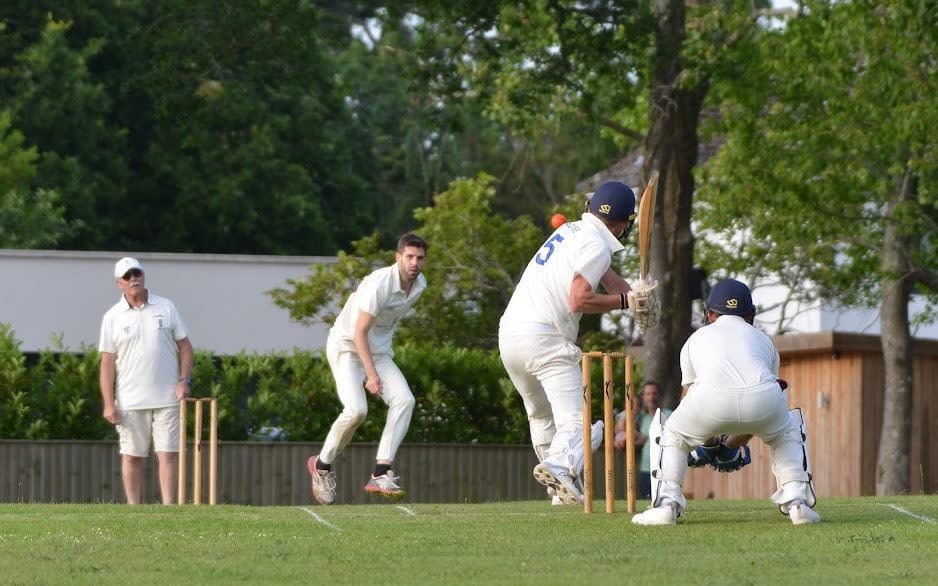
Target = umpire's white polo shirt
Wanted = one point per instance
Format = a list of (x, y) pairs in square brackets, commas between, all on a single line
[(144, 342), (379, 294)]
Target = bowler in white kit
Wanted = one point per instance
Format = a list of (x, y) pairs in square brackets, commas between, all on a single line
[(361, 359), (538, 330), (730, 369)]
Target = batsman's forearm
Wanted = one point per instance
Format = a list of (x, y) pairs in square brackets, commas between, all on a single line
[(583, 299), (613, 283), (597, 303)]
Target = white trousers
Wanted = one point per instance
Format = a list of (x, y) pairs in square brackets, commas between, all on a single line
[(761, 411), (545, 370), (349, 377)]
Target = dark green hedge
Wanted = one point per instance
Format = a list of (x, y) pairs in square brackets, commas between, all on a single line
[(463, 395)]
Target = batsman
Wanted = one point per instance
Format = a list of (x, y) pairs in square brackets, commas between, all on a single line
[(538, 331)]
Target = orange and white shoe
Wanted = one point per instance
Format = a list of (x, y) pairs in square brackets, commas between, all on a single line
[(563, 485), (386, 486)]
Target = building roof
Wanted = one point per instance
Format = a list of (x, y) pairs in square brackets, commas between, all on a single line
[(628, 169)]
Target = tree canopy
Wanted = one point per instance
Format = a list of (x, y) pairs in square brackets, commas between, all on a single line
[(827, 180), (28, 218), (275, 127)]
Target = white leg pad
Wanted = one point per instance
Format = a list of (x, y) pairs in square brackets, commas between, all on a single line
[(792, 492), (566, 450), (542, 433), (668, 459), (655, 431), (791, 465), (576, 447)]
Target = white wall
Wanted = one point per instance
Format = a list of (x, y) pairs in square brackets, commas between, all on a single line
[(221, 297), (820, 317), (223, 300)]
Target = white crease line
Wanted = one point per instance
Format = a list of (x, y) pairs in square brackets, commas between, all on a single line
[(910, 513), (407, 510), (320, 520)]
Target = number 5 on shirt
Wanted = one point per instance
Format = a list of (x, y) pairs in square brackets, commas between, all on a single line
[(549, 245)]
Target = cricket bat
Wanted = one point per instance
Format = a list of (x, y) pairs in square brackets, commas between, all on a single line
[(646, 222)]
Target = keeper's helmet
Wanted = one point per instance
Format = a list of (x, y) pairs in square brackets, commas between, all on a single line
[(731, 297)]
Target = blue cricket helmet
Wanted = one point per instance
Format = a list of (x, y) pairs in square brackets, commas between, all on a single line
[(614, 201), (731, 297)]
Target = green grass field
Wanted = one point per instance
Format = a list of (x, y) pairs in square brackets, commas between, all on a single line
[(860, 541)]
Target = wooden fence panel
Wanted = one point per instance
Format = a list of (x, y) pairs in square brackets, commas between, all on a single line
[(836, 379), (275, 473), (252, 473), (874, 379), (924, 456)]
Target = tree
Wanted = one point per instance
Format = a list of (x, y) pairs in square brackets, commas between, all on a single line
[(474, 262), (831, 170), (244, 146), (640, 71), (186, 126), (271, 127), (28, 218), (416, 139), (62, 111)]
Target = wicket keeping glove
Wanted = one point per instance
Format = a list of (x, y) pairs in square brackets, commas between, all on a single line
[(701, 456), (729, 459)]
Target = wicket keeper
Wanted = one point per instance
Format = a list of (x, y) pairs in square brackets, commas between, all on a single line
[(731, 369)]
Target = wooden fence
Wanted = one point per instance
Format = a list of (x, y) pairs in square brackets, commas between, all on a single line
[(252, 473), (836, 379)]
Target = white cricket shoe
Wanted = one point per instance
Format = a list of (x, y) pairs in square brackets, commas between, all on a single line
[(560, 481), (665, 514), (386, 486), (323, 482), (802, 514)]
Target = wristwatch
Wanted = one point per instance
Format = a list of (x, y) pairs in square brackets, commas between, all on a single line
[(187, 380)]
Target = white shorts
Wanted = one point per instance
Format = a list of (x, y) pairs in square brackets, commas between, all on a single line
[(138, 426)]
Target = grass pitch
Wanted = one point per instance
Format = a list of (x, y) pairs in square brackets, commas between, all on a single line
[(859, 541)]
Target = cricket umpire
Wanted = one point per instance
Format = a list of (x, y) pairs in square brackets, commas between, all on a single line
[(146, 360)]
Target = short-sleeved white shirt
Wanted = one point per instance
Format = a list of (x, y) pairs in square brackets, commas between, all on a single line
[(379, 294), (144, 343), (729, 354), (542, 297)]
